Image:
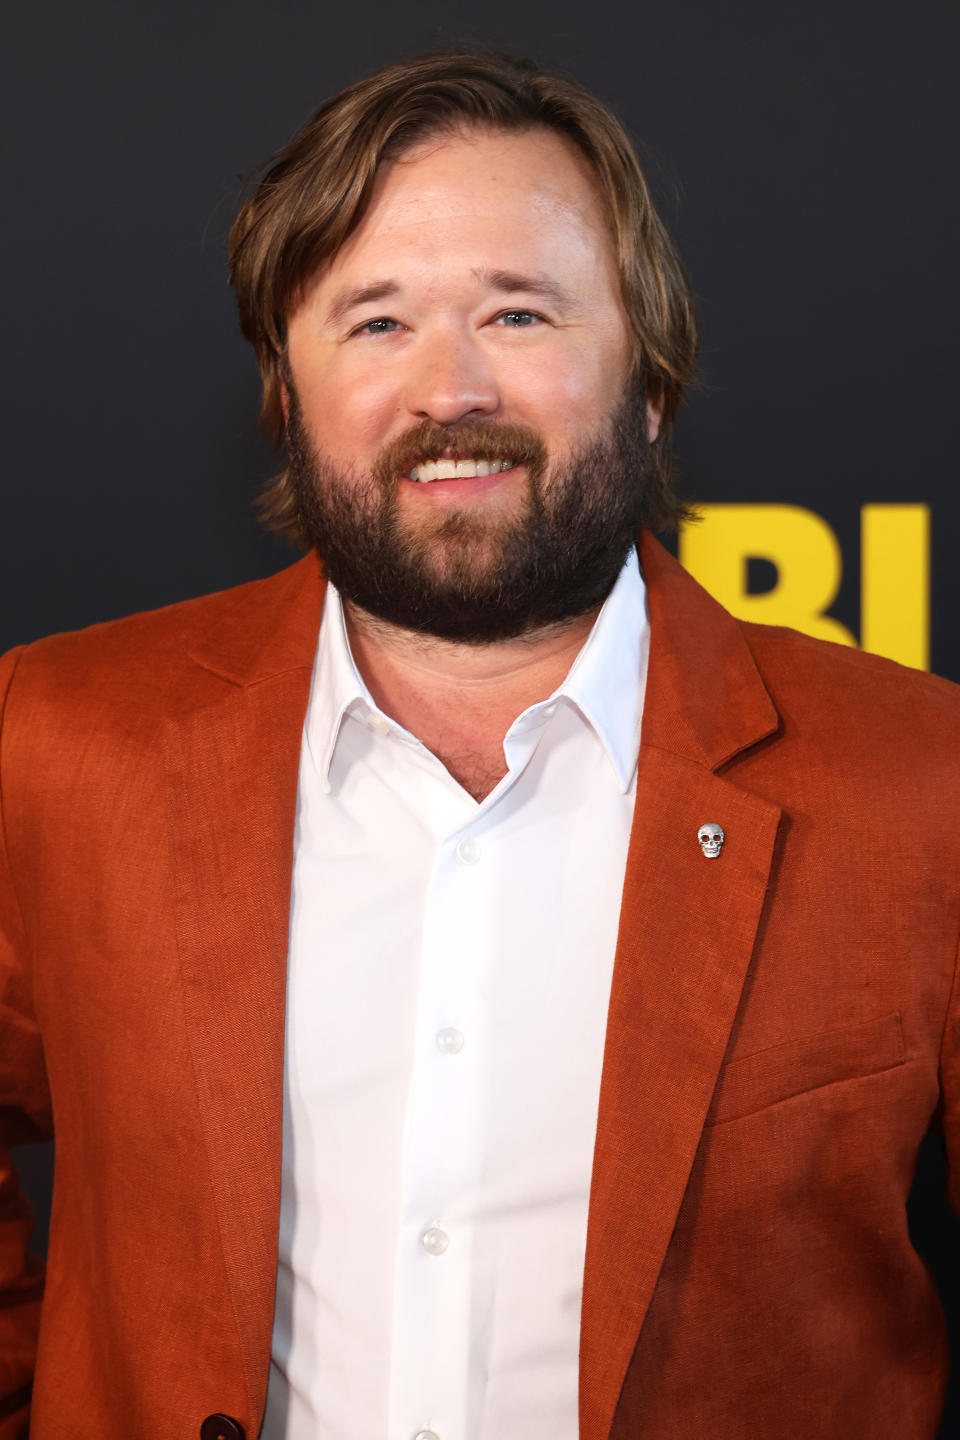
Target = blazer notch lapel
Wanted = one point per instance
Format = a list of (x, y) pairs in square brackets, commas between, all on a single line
[(687, 932), (705, 697)]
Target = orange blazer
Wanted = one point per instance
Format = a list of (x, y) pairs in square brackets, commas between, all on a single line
[(783, 1027)]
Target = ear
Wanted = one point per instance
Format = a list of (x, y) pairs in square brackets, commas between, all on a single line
[(284, 399), (654, 414)]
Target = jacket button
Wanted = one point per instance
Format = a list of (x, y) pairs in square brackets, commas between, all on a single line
[(221, 1427)]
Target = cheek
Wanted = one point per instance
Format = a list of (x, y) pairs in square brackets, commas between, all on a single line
[(567, 392), (349, 416)]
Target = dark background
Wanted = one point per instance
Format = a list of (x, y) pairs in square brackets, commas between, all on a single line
[(803, 155)]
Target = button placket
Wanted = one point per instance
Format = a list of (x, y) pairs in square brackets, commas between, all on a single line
[(444, 1143)]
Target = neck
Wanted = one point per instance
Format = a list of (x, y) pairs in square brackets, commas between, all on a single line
[(459, 699)]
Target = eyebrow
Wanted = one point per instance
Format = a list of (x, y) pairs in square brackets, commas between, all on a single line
[(507, 282), (348, 300)]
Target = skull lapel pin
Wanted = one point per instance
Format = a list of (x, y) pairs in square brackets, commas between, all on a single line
[(711, 839)]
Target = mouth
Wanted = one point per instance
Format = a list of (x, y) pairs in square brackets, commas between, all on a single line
[(449, 481), (429, 471)]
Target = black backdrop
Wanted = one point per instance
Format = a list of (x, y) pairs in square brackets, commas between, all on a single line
[(802, 155)]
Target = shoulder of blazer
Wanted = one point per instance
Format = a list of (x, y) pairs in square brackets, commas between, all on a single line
[(796, 664), (861, 716), (158, 662), (834, 700)]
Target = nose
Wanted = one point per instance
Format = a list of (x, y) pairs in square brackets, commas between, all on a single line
[(450, 379)]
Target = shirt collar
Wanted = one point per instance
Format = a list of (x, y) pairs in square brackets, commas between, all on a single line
[(337, 687), (605, 684)]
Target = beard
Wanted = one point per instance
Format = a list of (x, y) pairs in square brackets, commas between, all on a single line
[(462, 574)]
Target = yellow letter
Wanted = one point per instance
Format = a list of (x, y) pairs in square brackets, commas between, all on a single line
[(800, 544), (895, 582)]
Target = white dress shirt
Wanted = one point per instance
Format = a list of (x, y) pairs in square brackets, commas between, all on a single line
[(448, 983)]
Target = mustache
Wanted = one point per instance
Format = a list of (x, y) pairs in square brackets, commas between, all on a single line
[(468, 440)]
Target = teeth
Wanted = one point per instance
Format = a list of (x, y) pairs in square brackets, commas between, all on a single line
[(456, 469)]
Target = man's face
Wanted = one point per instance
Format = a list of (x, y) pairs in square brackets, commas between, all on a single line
[(474, 315)]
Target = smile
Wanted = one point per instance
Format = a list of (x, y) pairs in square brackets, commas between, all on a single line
[(456, 469)]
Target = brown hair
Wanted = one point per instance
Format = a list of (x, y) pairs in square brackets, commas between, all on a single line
[(316, 189)]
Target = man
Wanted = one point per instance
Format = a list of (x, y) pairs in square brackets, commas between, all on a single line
[(480, 988)]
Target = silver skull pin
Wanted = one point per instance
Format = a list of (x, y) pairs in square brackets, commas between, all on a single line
[(711, 839)]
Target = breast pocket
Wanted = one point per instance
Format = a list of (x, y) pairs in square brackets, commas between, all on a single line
[(755, 1082)]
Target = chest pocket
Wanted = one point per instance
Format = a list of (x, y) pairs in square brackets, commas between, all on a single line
[(756, 1081)]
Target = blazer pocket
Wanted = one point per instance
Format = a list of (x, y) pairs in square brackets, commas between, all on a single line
[(757, 1081)]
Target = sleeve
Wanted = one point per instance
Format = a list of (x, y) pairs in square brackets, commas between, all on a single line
[(948, 1119), (24, 1116)]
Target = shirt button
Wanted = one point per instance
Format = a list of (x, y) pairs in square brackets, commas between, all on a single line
[(468, 850), (434, 1241), (450, 1041)]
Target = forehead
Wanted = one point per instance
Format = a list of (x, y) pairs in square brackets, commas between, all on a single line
[(482, 201)]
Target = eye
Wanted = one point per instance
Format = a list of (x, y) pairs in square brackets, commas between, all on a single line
[(517, 319), (382, 325)]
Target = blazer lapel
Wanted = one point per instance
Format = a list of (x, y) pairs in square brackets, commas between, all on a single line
[(233, 760), (687, 931)]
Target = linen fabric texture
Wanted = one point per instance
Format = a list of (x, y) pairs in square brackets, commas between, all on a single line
[(783, 1026)]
